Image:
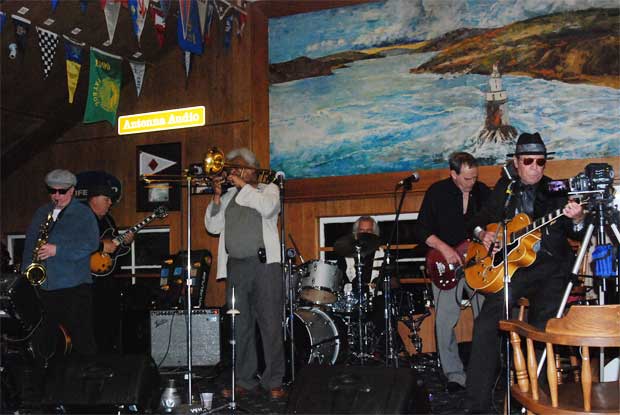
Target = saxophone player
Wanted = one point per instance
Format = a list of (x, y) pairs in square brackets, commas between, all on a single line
[(64, 254)]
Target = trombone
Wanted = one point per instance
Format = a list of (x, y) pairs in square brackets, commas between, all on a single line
[(213, 165)]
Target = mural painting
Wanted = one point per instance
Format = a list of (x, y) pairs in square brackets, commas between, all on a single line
[(398, 85)]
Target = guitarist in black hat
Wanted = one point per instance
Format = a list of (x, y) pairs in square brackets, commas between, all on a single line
[(542, 282), (107, 313)]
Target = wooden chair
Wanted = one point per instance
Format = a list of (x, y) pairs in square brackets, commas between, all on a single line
[(583, 327)]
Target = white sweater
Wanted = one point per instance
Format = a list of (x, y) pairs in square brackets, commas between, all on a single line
[(265, 200)]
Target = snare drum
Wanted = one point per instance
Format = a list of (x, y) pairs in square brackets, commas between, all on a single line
[(319, 337), (321, 282)]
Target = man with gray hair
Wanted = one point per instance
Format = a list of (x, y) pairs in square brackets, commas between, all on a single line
[(66, 294), (246, 218)]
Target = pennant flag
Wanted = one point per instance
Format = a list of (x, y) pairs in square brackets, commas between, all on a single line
[(138, 9), (228, 29), (160, 9), (192, 41), (152, 164), (21, 31), (185, 7), (111, 10), (202, 14), (188, 62), (241, 20), (104, 87), (54, 5), (138, 69), (73, 52), (222, 9), (83, 6), (210, 14), (48, 41), (2, 20)]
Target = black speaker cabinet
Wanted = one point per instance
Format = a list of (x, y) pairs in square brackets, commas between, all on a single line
[(169, 337), (357, 390), (103, 382)]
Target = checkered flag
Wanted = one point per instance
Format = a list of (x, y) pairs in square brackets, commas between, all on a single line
[(47, 42)]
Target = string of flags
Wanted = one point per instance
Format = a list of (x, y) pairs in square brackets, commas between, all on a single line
[(195, 19)]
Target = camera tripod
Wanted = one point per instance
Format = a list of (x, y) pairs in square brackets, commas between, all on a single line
[(603, 216)]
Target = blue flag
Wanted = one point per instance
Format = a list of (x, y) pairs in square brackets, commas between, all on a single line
[(2, 20), (193, 41)]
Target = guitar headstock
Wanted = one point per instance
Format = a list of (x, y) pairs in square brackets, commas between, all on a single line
[(160, 212)]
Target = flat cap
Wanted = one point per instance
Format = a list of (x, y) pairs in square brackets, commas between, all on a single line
[(60, 178)]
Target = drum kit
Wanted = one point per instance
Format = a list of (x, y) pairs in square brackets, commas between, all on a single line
[(334, 323)]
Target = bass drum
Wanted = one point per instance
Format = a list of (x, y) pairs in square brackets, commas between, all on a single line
[(319, 337)]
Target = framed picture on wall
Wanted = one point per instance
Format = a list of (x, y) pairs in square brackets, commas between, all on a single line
[(163, 161)]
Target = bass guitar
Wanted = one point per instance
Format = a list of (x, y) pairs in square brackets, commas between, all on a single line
[(485, 272), (443, 274), (103, 263)]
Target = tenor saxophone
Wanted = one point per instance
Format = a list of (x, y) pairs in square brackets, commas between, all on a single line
[(36, 273)]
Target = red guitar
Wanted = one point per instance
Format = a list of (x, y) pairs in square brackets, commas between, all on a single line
[(440, 272)]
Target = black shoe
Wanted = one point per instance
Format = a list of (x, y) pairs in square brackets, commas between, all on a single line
[(454, 387)]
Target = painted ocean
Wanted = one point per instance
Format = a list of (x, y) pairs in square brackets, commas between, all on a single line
[(375, 117)]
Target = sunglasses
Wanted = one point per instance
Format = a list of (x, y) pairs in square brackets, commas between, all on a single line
[(528, 160), (52, 191)]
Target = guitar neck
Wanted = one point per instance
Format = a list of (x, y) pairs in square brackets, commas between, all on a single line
[(135, 228), (537, 224)]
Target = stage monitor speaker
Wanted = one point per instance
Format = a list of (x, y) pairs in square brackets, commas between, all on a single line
[(104, 383), (357, 390), (169, 337)]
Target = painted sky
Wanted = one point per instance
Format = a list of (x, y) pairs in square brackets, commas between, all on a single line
[(368, 25)]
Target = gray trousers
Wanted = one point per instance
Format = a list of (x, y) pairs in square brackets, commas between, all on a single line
[(447, 313), (259, 299)]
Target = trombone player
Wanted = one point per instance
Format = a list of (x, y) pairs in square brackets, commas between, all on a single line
[(61, 254), (246, 218)]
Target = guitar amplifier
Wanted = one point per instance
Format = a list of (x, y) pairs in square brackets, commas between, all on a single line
[(169, 337)]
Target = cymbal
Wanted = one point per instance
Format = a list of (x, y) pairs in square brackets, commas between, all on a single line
[(346, 245)]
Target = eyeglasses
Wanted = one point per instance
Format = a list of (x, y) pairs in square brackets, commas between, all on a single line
[(52, 191), (528, 160)]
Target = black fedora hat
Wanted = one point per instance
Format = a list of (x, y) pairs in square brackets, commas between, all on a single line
[(531, 144)]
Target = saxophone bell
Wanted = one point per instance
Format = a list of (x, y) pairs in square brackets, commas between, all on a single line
[(36, 273)]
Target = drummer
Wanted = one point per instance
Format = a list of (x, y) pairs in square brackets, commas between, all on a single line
[(372, 254)]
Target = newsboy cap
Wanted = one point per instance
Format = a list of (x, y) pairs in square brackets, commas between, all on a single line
[(60, 178)]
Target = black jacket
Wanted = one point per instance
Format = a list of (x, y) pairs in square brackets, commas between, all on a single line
[(554, 245)]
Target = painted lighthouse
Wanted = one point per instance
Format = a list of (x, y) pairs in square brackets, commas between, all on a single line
[(496, 126)]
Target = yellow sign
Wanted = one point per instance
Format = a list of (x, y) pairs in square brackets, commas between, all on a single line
[(161, 120)]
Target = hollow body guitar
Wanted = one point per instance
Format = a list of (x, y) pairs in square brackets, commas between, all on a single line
[(484, 272), (102, 263)]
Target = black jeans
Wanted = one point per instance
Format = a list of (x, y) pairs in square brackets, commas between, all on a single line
[(71, 308), (544, 286)]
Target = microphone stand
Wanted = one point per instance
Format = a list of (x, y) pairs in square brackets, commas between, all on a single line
[(188, 281), (390, 356), (509, 195), (287, 281)]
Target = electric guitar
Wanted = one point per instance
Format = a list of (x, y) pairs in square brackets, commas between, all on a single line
[(102, 263), (485, 273), (440, 272)]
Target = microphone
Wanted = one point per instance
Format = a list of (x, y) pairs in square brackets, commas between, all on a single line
[(413, 178)]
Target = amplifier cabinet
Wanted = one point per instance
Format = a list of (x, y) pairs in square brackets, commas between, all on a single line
[(169, 337)]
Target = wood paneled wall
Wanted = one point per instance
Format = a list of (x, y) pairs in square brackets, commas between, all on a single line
[(233, 85)]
